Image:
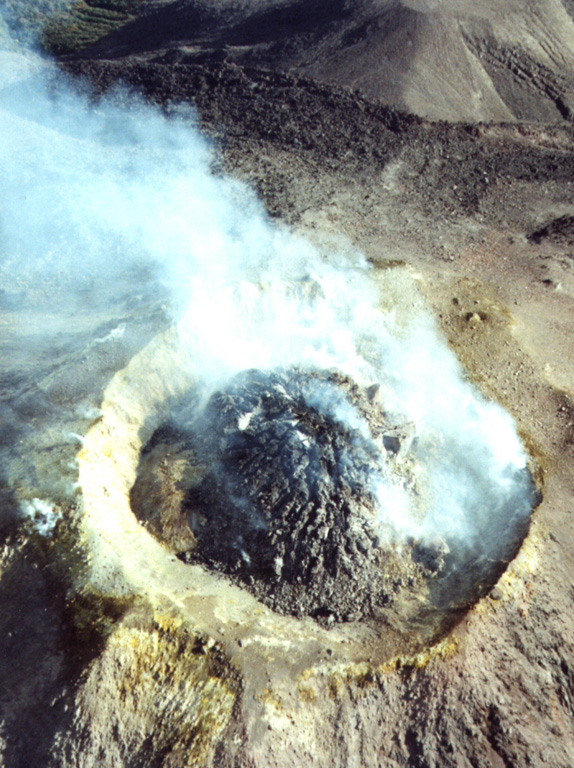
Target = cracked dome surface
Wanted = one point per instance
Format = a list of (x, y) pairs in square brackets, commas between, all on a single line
[(275, 480), (283, 492)]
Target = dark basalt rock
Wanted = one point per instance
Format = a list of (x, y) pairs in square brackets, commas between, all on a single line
[(274, 482), (287, 506)]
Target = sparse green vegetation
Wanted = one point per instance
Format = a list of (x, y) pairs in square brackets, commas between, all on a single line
[(86, 22), (64, 26)]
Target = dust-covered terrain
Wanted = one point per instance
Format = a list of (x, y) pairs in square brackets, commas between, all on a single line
[(117, 652)]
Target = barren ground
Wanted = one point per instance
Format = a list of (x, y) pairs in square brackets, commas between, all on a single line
[(103, 681)]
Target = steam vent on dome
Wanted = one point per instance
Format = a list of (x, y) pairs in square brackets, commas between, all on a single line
[(282, 480)]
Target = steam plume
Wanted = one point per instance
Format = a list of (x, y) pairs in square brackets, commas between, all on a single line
[(98, 198)]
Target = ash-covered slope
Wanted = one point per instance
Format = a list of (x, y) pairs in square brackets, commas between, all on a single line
[(491, 60)]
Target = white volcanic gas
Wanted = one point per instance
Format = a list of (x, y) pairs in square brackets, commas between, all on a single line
[(98, 197)]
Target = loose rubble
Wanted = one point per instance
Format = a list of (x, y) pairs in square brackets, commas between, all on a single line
[(285, 503)]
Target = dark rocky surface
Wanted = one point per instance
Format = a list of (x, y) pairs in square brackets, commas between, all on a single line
[(462, 204), (448, 60), (278, 491), (451, 168), (287, 506)]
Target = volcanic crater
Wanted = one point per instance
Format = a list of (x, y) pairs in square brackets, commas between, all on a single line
[(118, 651), (275, 480)]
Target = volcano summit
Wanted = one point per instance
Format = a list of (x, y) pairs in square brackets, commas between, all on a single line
[(271, 459)]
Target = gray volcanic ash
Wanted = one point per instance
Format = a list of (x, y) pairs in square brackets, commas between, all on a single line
[(488, 60)]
